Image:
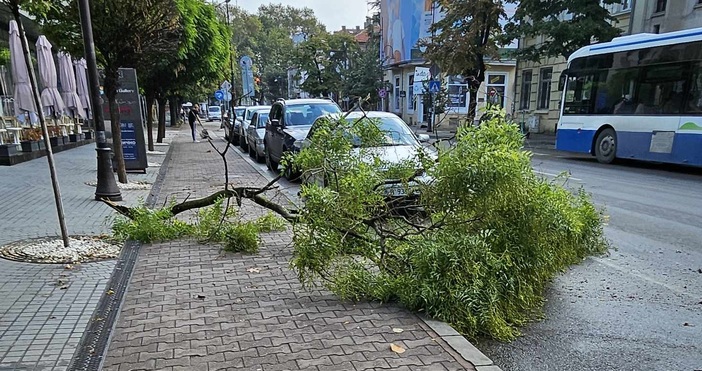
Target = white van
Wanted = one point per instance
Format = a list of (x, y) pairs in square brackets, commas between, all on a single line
[(214, 113)]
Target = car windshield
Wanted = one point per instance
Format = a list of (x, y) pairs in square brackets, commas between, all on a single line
[(239, 112), (262, 118), (249, 114), (395, 132), (306, 114), (214, 109)]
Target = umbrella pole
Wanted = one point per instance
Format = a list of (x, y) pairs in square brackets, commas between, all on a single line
[(45, 130)]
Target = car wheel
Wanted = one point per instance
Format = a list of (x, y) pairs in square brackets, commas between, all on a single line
[(252, 152), (606, 146), (290, 173), (270, 164), (235, 139)]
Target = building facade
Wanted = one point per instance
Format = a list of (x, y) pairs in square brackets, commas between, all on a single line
[(538, 91), (403, 24), (659, 16)]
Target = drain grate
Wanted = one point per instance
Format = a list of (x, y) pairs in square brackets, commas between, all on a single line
[(96, 339)]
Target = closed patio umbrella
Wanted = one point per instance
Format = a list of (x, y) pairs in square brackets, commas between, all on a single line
[(82, 86), (68, 86), (50, 96), (24, 101)]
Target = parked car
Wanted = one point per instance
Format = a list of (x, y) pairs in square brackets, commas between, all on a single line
[(400, 144), (246, 120), (214, 113), (289, 121), (238, 114), (255, 133)]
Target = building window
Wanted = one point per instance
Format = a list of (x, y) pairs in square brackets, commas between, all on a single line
[(626, 4), (660, 5), (410, 93), (496, 89), (458, 93), (525, 94), (397, 93), (544, 88), (656, 28)]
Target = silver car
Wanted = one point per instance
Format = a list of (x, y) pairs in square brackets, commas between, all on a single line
[(238, 114), (245, 120), (401, 144), (255, 133)]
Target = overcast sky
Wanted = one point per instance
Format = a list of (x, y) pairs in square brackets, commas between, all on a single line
[(333, 13)]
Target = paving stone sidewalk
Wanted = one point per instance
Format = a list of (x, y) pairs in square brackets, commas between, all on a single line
[(45, 308), (190, 306)]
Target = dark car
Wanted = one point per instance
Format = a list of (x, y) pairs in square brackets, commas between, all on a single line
[(288, 122)]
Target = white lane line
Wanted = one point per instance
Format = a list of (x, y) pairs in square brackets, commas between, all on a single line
[(638, 274), (556, 175)]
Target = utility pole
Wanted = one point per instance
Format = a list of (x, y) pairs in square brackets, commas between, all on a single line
[(231, 68), (106, 185)]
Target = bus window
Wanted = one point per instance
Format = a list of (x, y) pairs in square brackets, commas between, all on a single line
[(694, 98), (661, 90)]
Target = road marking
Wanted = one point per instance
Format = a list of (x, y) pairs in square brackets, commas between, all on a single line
[(556, 175), (636, 273)]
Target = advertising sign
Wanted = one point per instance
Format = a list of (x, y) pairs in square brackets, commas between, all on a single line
[(404, 23), (247, 77), (421, 74), (131, 121)]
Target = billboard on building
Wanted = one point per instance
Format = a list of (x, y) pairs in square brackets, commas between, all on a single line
[(404, 23)]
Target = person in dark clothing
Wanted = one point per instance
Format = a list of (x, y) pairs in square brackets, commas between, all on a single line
[(193, 119)]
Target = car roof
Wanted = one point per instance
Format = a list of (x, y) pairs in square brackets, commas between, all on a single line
[(371, 114), (305, 101), (257, 108)]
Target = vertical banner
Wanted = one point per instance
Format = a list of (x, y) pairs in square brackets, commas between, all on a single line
[(131, 121)]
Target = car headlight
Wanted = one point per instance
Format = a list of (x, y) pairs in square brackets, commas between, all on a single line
[(259, 141), (297, 145)]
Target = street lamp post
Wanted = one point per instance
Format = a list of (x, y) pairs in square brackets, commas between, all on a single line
[(231, 69), (106, 185)]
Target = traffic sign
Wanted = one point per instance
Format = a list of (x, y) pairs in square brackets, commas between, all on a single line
[(219, 95), (227, 96), (382, 93), (434, 86), (226, 85)]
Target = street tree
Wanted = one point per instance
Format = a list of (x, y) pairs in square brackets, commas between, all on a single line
[(131, 33), (568, 25), (365, 76), (464, 39), (325, 60)]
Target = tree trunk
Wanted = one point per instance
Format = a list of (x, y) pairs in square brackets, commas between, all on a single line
[(173, 104), (111, 76), (161, 119), (150, 99)]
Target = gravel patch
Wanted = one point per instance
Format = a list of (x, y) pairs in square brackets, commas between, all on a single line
[(81, 249)]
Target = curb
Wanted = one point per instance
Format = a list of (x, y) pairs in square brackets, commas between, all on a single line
[(96, 339), (445, 332), (461, 345)]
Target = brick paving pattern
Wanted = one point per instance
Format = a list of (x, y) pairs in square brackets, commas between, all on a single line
[(45, 308), (190, 306)]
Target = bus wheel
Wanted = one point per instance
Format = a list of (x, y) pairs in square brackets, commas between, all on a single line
[(606, 146)]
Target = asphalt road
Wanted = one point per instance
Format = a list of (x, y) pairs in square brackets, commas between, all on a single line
[(640, 307)]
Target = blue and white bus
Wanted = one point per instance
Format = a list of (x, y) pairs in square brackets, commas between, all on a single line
[(636, 97)]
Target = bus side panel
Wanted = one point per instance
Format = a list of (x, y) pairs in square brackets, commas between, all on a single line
[(574, 140), (687, 149)]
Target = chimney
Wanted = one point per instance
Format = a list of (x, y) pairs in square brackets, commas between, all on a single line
[(343, 28), (358, 28)]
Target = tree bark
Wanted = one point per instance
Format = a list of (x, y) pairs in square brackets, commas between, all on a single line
[(111, 76), (161, 119), (173, 105), (150, 99)]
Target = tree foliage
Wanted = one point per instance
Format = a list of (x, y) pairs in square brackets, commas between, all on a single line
[(464, 39), (567, 25), (127, 33), (475, 249)]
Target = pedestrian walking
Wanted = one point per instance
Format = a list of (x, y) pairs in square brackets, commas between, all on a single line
[(194, 119)]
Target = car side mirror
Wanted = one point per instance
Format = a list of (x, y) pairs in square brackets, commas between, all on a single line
[(423, 138), (275, 123)]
